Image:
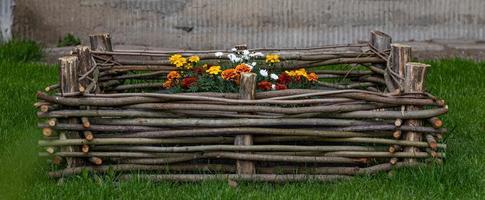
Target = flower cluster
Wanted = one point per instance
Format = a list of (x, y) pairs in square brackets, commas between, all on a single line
[(285, 79), (223, 76), (179, 61)]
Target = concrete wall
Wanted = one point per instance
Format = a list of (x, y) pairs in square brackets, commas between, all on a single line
[(6, 19), (199, 24)]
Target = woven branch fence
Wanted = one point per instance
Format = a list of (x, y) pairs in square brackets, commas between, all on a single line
[(109, 112)]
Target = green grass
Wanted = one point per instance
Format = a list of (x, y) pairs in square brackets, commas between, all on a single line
[(460, 82)]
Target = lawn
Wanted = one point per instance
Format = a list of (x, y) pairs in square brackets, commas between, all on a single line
[(23, 174)]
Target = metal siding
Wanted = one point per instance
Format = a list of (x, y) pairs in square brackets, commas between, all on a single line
[(259, 23)]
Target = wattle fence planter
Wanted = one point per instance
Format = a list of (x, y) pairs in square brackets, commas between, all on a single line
[(109, 112)]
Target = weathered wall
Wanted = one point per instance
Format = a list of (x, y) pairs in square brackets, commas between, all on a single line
[(259, 23), (6, 19)]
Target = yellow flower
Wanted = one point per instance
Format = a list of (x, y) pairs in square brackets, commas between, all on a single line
[(301, 72), (214, 70), (180, 62), (272, 58), (189, 66), (291, 73), (194, 59), (174, 58)]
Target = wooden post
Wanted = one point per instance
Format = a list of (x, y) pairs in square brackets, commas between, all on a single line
[(399, 56), (247, 90), (101, 42), (69, 84), (84, 64), (414, 79), (382, 43)]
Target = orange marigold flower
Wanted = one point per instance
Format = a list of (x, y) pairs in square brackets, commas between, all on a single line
[(241, 68), (173, 75), (229, 74), (168, 84), (312, 77)]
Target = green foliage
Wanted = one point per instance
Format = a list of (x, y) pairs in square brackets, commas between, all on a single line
[(21, 51), (69, 40)]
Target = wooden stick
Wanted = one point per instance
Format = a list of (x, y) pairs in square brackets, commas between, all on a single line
[(435, 122), (255, 108), (85, 148), (397, 134), (88, 135), (431, 141), (52, 122), (270, 139), (352, 154), (102, 128), (221, 155), (107, 141), (417, 114), (85, 122), (192, 122), (50, 150), (198, 132), (260, 148), (95, 160), (47, 132), (271, 98)]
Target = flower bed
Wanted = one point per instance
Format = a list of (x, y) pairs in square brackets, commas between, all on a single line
[(323, 113)]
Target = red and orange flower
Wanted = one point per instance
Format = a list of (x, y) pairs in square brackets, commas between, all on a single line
[(230, 74), (241, 68), (264, 85)]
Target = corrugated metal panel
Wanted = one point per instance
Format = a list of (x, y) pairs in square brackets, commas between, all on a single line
[(6, 19), (201, 24)]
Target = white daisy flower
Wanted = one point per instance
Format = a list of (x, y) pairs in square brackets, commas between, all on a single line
[(219, 54), (263, 73), (233, 58), (274, 76), (233, 49), (245, 52), (256, 54), (273, 86)]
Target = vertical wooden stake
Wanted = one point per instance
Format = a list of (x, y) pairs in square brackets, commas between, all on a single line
[(247, 90), (69, 83), (101, 42), (382, 43), (84, 65), (414, 79), (399, 56)]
